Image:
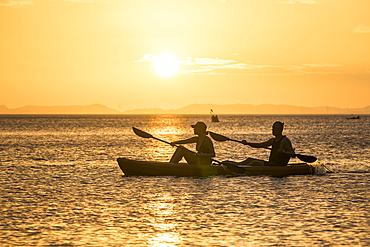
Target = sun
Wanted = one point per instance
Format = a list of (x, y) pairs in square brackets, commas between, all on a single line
[(166, 64)]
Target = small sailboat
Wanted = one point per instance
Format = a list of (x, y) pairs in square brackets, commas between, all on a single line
[(214, 117)]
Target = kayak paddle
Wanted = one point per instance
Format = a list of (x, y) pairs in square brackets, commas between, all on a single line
[(221, 138), (147, 135)]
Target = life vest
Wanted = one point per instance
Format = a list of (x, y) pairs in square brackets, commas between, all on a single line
[(278, 159), (202, 148)]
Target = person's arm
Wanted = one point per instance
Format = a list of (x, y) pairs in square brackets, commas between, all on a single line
[(259, 144), (209, 145), (286, 147), (186, 141)]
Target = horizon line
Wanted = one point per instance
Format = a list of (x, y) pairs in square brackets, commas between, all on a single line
[(151, 108), (192, 109)]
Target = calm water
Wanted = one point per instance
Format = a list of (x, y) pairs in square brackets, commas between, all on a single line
[(60, 184)]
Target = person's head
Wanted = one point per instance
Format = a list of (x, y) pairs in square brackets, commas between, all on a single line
[(277, 128), (199, 128)]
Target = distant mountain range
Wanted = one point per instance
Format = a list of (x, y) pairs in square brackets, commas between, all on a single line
[(190, 109), (73, 109)]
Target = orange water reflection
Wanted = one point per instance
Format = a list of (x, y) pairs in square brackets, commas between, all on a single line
[(165, 239), (162, 221), (168, 131)]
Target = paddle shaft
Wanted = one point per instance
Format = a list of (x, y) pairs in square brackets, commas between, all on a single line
[(164, 141), (246, 144), (299, 156), (304, 158)]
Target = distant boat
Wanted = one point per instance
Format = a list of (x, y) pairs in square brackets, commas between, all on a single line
[(214, 117), (353, 117)]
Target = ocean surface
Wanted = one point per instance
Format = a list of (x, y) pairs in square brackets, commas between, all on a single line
[(60, 184)]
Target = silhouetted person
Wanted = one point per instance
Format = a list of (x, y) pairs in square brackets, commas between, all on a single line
[(281, 152), (205, 150)]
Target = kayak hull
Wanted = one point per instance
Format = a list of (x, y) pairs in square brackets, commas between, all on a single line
[(152, 168)]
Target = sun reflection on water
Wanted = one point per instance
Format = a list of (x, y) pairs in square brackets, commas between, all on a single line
[(60, 185), (164, 239), (167, 132), (162, 211)]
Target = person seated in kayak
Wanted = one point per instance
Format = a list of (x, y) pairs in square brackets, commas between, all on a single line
[(281, 152), (204, 147)]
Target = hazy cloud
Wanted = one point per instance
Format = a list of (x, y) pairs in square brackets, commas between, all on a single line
[(201, 65), (16, 3), (79, 1), (322, 65), (362, 28), (87, 1), (230, 66), (146, 58), (218, 66), (211, 65), (207, 61), (297, 1), (25, 3)]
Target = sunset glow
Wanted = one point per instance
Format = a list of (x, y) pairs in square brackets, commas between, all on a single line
[(295, 52), (166, 64)]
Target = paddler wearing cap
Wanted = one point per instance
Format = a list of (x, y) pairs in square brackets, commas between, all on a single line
[(204, 147)]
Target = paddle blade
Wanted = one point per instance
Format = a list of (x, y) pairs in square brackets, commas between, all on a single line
[(306, 158), (218, 137), (141, 133)]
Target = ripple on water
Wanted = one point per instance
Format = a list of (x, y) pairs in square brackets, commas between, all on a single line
[(60, 185)]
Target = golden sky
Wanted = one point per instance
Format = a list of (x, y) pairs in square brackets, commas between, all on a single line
[(79, 52)]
